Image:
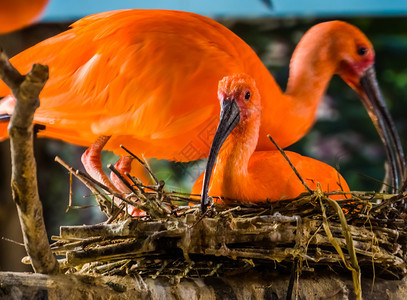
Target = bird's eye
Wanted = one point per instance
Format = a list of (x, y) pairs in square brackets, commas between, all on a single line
[(362, 51), (247, 96)]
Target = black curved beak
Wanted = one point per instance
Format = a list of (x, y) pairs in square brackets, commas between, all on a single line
[(378, 112), (229, 118)]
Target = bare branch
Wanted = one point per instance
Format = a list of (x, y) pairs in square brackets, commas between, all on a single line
[(26, 90)]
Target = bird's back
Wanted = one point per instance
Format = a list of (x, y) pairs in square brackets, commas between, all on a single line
[(277, 180), (146, 77), (270, 177)]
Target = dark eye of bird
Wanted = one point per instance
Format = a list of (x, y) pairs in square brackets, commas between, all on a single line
[(362, 51), (247, 96)]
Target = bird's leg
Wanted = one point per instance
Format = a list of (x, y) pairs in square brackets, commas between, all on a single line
[(91, 160), (123, 165)]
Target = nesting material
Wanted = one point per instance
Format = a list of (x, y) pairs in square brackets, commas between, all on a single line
[(365, 234)]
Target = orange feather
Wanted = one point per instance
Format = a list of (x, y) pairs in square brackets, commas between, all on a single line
[(148, 78), (15, 14), (4, 129)]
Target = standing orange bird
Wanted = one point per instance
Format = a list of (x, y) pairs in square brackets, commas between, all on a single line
[(243, 174), (147, 79), (15, 14)]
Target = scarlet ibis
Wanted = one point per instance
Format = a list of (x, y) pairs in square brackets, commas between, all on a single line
[(15, 14), (243, 174), (147, 79)]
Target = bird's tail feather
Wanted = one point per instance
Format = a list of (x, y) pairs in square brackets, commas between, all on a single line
[(4, 120)]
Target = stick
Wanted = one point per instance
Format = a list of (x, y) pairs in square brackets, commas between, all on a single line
[(291, 165), (120, 176), (26, 90), (104, 202), (142, 162)]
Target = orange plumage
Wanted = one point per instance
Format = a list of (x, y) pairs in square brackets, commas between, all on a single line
[(243, 174), (147, 79), (143, 77), (15, 14), (271, 178)]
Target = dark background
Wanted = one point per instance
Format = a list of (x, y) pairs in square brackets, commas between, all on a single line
[(343, 136)]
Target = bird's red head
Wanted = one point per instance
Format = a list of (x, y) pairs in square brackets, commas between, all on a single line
[(353, 53), (337, 47), (242, 89)]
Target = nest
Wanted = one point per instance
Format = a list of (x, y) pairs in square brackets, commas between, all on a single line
[(364, 233)]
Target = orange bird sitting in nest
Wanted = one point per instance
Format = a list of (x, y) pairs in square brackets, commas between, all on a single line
[(147, 79), (246, 175), (15, 14)]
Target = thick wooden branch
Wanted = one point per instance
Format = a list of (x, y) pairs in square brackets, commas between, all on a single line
[(252, 285), (26, 90)]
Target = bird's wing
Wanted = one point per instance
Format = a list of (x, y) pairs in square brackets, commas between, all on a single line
[(132, 72)]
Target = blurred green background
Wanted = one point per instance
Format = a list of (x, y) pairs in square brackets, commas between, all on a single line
[(343, 135)]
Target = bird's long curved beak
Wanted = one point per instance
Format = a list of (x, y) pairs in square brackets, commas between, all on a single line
[(378, 112), (229, 118)]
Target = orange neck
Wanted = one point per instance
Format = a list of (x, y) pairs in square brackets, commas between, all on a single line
[(311, 69), (234, 156), (290, 115)]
